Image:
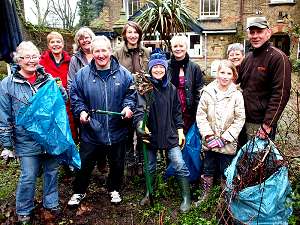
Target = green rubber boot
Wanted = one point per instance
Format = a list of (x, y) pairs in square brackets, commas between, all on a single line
[(146, 199), (184, 184)]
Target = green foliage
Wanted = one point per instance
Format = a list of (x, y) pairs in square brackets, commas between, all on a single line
[(166, 17), (296, 65), (89, 10), (295, 218), (8, 178)]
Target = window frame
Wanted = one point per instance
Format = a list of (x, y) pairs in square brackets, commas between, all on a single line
[(192, 51), (277, 2), (214, 16), (127, 6)]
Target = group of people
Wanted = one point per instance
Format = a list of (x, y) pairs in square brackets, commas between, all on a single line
[(247, 95)]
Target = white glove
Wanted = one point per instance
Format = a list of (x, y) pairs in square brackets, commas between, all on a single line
[(6, 154)]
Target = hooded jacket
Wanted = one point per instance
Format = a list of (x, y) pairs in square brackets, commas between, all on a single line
[(90, 91), (15, 91), (227, 123), (164, 114)]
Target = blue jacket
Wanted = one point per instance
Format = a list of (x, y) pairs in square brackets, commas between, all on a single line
[(15, 91), (89, 91)]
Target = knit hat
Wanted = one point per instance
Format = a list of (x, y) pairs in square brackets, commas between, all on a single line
[(157, 58)]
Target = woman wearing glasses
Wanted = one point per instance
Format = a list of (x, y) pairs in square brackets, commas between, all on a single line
[(15, 90)]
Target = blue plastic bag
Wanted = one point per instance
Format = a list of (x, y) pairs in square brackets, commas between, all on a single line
[(263, 204), (45, 118), (191, 154)]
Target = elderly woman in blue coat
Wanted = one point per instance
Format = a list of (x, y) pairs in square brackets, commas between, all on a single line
[(15, 90)]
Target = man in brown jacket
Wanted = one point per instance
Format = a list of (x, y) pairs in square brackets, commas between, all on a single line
[(265, 77)]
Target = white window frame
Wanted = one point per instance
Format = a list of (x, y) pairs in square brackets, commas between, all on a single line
[(281, 1), (128, 4), (212, 13), (198, 51), (298, 51)]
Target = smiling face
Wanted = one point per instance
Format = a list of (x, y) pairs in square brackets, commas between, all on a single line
[(224, 76), (102, 52), (236, 57), (56, 45), (179, 47), (84, 42), (132, 37), (258, 36), (28, 61), (158, 71)]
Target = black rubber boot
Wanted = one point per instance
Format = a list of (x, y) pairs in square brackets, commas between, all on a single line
[(184, 184)]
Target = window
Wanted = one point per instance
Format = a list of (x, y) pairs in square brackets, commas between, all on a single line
[(209, 9), (195, 44), (131, 6)]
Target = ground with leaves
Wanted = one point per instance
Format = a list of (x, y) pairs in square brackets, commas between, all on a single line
[(96, 207)]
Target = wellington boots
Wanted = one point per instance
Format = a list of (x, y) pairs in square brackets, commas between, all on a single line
[(146, 199), (207, 184), (185, 193)]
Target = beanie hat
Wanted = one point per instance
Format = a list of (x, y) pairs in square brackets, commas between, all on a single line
[(157, 58)]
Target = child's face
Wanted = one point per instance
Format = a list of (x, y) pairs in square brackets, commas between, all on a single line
[(225, 76), (158, 71)]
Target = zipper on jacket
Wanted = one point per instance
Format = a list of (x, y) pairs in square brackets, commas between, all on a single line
[(106, 106)]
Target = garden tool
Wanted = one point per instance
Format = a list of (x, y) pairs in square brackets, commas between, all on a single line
[(111, 113)]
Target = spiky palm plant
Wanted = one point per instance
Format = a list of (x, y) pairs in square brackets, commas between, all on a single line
[(167, 17)]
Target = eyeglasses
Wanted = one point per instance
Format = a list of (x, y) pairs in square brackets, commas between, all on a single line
[(27, 58)]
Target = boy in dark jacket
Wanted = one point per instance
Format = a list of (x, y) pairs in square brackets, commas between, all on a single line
[(164, 127)]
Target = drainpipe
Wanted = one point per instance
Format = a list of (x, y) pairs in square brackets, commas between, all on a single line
[(205, 51)]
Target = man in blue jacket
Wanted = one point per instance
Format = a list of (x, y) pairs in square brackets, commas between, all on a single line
[(106, 85)]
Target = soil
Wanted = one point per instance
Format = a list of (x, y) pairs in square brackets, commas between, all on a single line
[(96, 207)]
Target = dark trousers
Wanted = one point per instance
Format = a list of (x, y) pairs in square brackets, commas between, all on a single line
[(90, 154), (215, 163)]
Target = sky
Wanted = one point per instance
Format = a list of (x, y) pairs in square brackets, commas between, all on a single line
[(29, 6)]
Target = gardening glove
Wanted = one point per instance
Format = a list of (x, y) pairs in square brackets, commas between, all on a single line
[(143, 133), (263, 132), (7, 154), (181, 138), (215, 143)]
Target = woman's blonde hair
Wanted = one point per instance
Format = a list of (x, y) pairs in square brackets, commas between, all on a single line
[(81, 32), (227, 63), (182, 39), (54, 34), (24, 46)]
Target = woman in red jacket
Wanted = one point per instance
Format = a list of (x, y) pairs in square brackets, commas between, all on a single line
[(56, 62)]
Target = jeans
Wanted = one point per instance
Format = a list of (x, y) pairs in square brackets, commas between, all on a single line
[(30, 168), (176, 161), (90, 154)]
